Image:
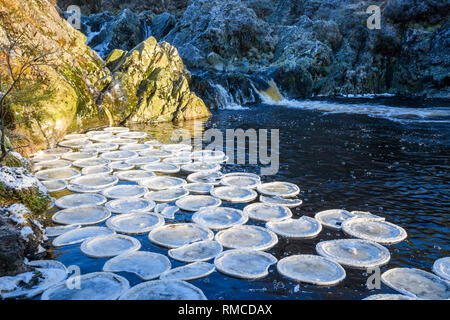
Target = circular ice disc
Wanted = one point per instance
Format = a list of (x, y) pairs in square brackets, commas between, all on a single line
[(93, 286), (142, 161), (374, 230), (176, 147), (136, 147), (94, 182), (120, 165), (219, 218), (124, 191), (119, 155), (161, 167), (72, 136), (82, 215), (267, 212), (75, 143), (208, 155), (52, 164), (156, 153), (290, 203), (101, 147), (234, 194), (81, 155), (417, 283), (79, 235), (240, 181), (59, 230), (197, 202), (441, 267), (96, 170), (333, 218), (94, 133), (247, 237), (55, 185), (84, 163), (132, 135), (281, 189), (116, 129), (200, 167), (135, 223), (54, 151), (164, 290), (41, 157), (103, 138), (303, 228), (205, 177), (166, 210), (243, 174), (134, 175), (199, 188), (354, 253), (311, 269), (146, 265), (177, 160), (133, 205), (244, 264), (180, 234), (153, 143), (162, 182), (57, 174), (389, 296), (78, 200), (197, 251), (366, 214), (189, 272), (109, 246), (168, 195)]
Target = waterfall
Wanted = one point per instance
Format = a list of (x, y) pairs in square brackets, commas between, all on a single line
[(225, 100)]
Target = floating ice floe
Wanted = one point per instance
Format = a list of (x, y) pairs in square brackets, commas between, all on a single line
[(200, 167), (101, 147), (374, 230), (55, 185), (154, 143), (168, 195), (135, 223), (197, 202), (311, 269), (84, 215), (146, 265), (136, 147), (93, 286), (240, 181), (109, 246), (58, 151), (179, 234), (302, 228), (52, 164), (189, 272), (176, 147), (79, 235), (132, 135), (366, 214), (78, 200), (267, 212), (41, 157), (103, 138), (59, 230), (162, 182), (134, 175), (133, 205), (30, 284), (281, 189), (205, 177), (219, 218), (75, 143), (156, 153), (142, 161), (177, 160), (389, 296), (119, 155), (290, 203), (92, 183), (81, 155), (84, 163), (355, 253), (96, 170), (116, 129), (247, 237), (234, 194), (199, 188), (124, 191), (244, 264), (333, 218), (161, 167), (167, 211), (243, 174), (441, 267), (72, 136), (197, 251), (121, 165), (57, 174), (164, 290), (417, 283)]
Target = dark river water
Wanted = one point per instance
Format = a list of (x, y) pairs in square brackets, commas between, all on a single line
[(389, 158)]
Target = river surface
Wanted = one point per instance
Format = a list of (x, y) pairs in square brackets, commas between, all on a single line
[(387, 157)]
